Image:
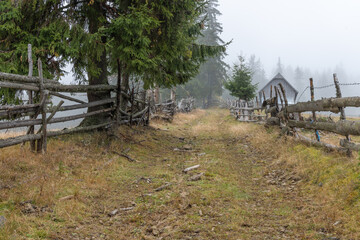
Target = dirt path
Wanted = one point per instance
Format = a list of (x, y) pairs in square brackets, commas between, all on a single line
[(242, 194)]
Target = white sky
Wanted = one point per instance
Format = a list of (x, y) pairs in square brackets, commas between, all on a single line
[(318, 34)]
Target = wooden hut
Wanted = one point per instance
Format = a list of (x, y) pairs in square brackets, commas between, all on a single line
[(291, 92)]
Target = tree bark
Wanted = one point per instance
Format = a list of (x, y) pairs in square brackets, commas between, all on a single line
[(101, 64)]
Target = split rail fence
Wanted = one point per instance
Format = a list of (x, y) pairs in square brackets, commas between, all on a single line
[(291, 118), (42, 114)]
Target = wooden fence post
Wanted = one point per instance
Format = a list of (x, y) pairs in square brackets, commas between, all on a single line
[(339, 95), (132, 105), (30, 93), (118, 94), (42, 143), (312, 97)]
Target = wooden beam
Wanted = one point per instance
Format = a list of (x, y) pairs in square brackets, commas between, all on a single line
[(9, 77), (59, 95), (342, 127), (18, 140)]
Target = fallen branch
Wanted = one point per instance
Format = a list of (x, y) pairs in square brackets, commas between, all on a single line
[(196, 177), (125, 156), (163, 187), (191, 168)]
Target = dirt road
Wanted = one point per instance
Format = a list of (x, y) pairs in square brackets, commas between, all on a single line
[(239, 191)]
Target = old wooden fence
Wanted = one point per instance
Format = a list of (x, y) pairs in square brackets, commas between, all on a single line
[(277, 111), (42, 114)]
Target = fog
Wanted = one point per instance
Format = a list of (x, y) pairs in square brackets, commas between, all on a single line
[(317, 34), (320, 37)]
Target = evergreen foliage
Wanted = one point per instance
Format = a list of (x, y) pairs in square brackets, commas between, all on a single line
[(207, 85), (151, 39), (31, 22), (240, 84)]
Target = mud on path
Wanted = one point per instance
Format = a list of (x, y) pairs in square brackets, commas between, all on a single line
[(239, 191)]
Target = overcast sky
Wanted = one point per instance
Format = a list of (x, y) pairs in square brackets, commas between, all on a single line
[(318, 34)]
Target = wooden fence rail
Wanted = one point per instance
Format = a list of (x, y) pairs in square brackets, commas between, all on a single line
[(289, 117), (41, 114)]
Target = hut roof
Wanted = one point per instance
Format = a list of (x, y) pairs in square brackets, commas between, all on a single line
[(281, 78)]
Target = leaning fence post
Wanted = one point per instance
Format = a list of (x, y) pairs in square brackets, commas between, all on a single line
[(42, 143), (339, 95)]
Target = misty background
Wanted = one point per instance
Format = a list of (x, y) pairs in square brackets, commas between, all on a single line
[(300, 39), (311, 38)]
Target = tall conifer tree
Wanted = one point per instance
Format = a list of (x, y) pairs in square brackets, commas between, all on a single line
[(209, 82)]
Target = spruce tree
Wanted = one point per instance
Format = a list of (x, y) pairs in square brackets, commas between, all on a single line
[(150, 39), (209, 82), (240, 85)]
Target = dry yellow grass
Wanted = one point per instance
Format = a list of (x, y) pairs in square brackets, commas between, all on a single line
[(247, 191)]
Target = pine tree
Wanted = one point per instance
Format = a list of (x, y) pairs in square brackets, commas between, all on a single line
[(240, 85), (150, 39), (36, 23), (257, 71), (209, 82)]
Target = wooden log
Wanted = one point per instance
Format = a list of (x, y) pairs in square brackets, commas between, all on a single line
[(118, 93), (329, 147), (19, 86), (342, 127), (350, 145), (191, 168), (8, 77), (66, 97), (196, 177), (281, 99), (15, 110), (273, 121), (30, 93), (339, 95), (163, 187), (312, 96), (78, 116), (42, 143), (284, 94), (327, 104), (85, 105), (80, 88), (18, 140), (30, 122)]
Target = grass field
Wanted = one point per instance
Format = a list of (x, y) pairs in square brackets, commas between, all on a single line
[(255, 185)]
